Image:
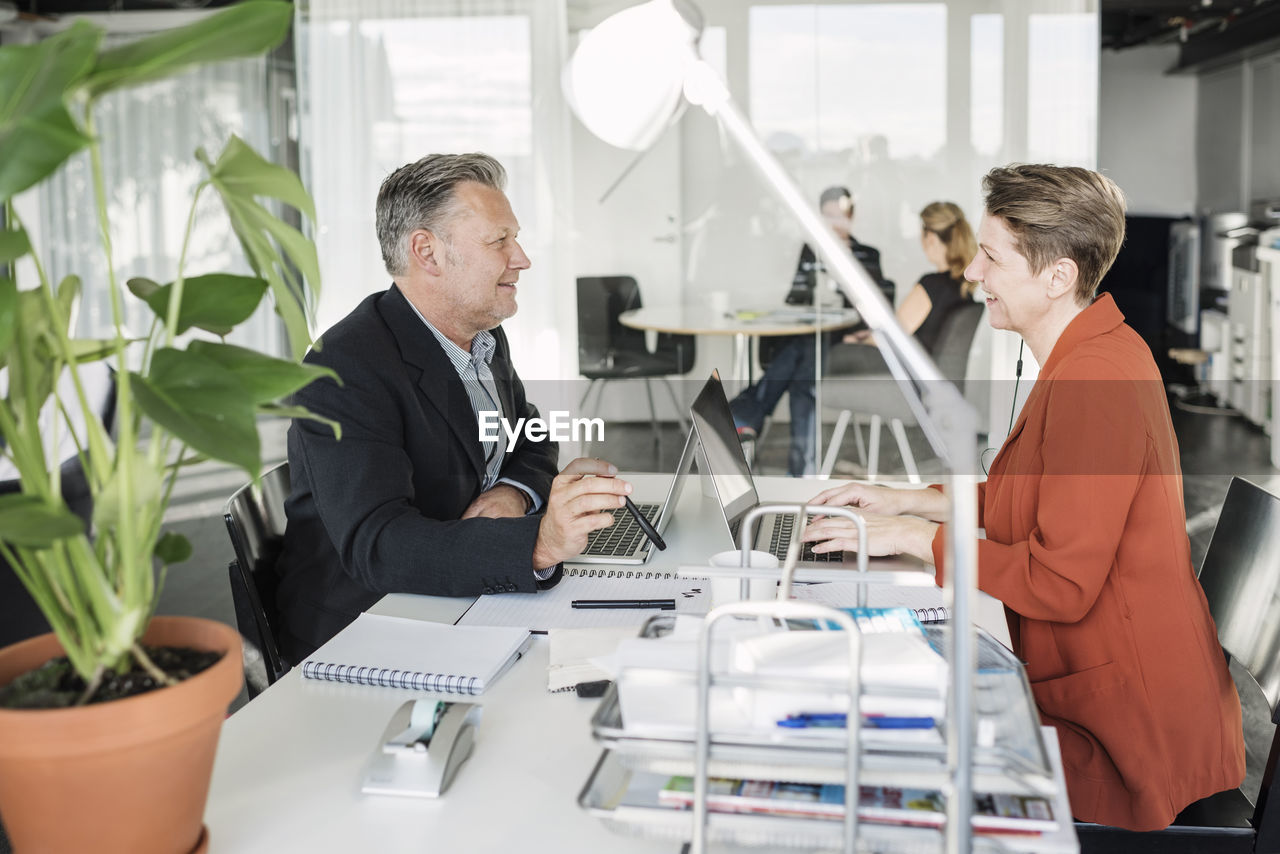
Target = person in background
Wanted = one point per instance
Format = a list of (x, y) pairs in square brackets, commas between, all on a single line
[(412, 499), (1086, 540), (792, 360), (949, 245)]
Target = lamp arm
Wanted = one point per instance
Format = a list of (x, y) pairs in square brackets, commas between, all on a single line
[(947, 418)]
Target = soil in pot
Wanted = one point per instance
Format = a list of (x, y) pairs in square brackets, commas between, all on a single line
[(56, 684)]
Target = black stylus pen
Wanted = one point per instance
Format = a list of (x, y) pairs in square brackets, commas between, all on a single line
[(661, 604), (649, 531)]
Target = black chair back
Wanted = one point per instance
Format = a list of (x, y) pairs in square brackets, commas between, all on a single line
[(255, 523), (1241, 579), (609, 350), (955, 338)]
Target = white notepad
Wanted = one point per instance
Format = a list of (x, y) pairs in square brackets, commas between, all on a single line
[(396, 652), (553, 609)]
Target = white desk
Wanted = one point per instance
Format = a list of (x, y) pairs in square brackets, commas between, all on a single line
[(290, 763)]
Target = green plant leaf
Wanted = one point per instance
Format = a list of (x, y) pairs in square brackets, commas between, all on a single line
[(93, 349), (216, 303), (37, 133), (146, 489), (8, 316), (247, 219), (289, 268), (245, 29), (54, 325), (242, 172), (203, 404), (32, 362), (25, 520), (172, 548), (278, 411), (35, 146), (142, 287), (67, 293), (13, 244), (266, 378)]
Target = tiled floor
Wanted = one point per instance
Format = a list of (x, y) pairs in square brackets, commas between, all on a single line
[(1214, 448)]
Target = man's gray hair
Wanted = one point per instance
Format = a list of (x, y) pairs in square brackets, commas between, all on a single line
[(421, 195)]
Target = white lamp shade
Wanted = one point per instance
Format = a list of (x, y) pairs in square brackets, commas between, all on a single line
[(625, 80)]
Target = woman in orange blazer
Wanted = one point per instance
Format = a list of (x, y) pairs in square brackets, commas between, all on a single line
[(1086, 540)]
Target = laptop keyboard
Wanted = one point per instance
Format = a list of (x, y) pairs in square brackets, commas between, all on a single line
[(623, 537), (780, 541)]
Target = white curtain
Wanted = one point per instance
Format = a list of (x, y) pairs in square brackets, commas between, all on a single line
[(149, 136), (385, 82)]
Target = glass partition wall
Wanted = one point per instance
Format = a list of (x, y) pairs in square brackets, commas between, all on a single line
[(385, 82), (903, 102), (147, 157)]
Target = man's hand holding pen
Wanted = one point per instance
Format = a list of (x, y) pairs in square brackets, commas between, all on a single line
[(583, 497)]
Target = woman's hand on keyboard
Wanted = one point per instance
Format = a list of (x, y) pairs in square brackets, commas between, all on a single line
[(886, 501), (886, 535)]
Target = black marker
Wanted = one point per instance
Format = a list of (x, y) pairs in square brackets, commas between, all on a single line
[(661, 604), (649, 531)]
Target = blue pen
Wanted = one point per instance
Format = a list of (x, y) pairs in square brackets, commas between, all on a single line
[(806, 720), (887, 722)]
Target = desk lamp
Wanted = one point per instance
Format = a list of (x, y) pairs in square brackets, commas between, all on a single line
[(629, 79)]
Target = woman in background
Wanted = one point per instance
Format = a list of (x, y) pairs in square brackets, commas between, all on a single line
[(948, 244)]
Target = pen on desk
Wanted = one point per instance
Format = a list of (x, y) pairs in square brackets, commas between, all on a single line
[(649, 531), (838, 719), (661, 604), (813, 719)]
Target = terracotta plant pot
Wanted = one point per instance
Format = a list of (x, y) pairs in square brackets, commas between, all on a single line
[(128, 776)]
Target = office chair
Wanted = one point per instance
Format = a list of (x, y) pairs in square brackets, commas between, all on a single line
[(255, 523), (877, 396), (607, 350), (1241, 579)]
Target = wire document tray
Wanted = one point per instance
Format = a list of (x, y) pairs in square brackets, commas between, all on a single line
[(1010, 754)]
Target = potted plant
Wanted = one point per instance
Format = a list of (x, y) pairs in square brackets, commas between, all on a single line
[(133, 771)]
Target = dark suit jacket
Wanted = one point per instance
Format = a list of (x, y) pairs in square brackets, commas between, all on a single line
[(378, 511)]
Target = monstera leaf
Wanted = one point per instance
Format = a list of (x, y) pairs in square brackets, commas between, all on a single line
[(217, 303), (37, 132), (245, 29), (277, 251)]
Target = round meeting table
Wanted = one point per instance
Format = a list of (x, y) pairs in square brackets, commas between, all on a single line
[(745, 325)]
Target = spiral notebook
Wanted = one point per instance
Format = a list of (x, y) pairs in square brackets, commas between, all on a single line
[(926, 602), (395, 652)]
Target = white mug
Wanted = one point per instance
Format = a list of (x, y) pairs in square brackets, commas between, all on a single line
[(728, 588)]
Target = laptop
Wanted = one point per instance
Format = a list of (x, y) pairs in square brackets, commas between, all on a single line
[(623, 542), (736, 490)]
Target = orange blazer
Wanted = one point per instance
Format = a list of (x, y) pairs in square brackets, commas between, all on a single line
[(1087, 548)]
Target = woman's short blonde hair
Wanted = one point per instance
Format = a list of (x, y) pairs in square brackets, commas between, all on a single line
[(1060, 212)]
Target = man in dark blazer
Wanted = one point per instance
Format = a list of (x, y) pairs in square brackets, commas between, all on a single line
[(410, 499)]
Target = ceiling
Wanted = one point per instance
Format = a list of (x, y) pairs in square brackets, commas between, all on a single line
[(1205, 29), (64, 7), (1129, 23)]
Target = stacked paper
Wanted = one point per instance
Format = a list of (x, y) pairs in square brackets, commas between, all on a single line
[(901, 675)]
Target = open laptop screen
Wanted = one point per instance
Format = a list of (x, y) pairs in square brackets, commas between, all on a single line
[(719, 438)]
